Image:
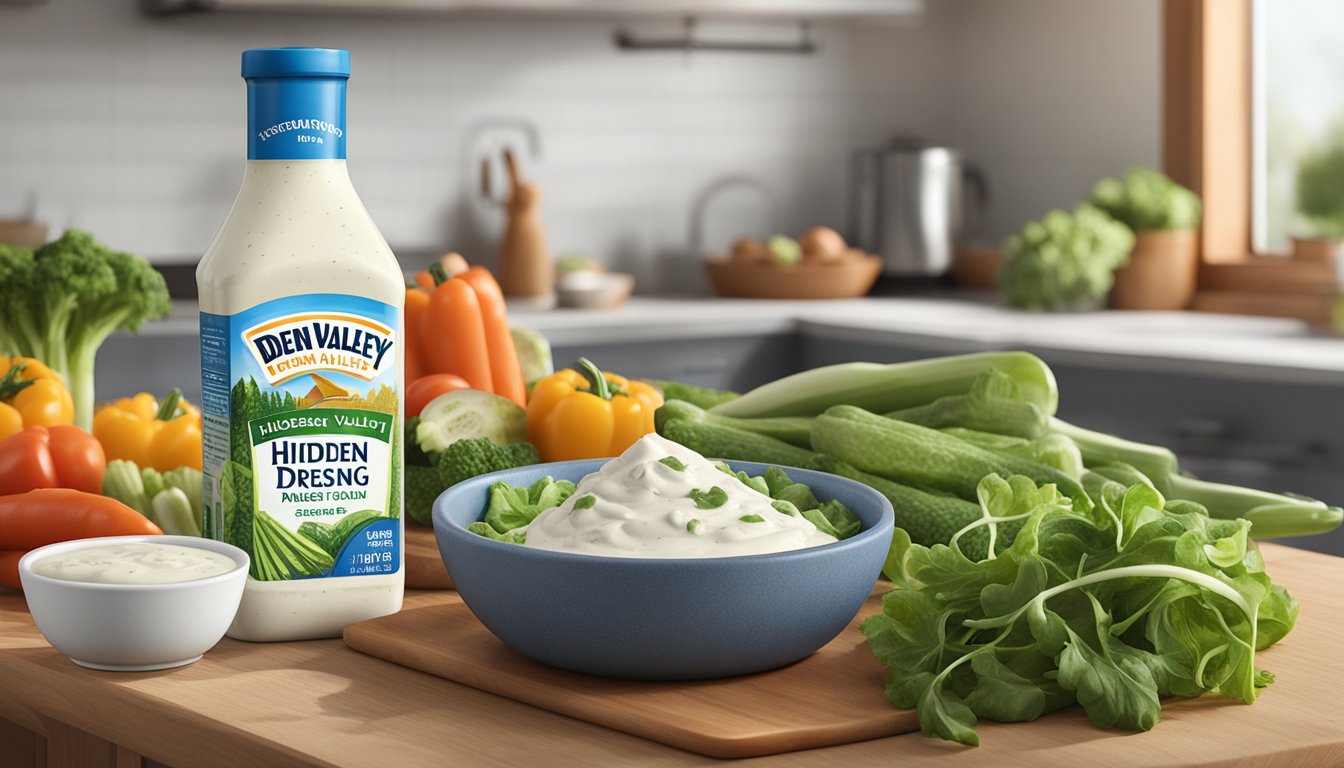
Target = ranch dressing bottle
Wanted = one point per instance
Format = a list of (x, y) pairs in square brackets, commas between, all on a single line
[(301, 303)]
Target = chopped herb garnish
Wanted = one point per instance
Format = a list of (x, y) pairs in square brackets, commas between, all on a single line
[(785, 507), (673, 462), (584, 502), (714, 498), (694, 526), (752, 519)]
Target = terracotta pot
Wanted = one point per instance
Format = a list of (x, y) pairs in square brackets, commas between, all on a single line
[(1317, 248), (1161, 271)]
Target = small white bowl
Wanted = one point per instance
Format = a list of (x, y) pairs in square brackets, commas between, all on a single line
[(134, 627)]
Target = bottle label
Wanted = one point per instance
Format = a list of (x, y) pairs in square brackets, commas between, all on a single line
[(303, 435), (301, 118)]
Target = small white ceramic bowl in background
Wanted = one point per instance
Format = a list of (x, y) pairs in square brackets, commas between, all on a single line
[(134, 627)]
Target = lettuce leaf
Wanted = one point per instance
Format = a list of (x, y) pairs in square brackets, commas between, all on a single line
[(1111, 609)]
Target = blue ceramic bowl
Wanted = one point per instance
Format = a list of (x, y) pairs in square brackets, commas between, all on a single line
[(662, 619)]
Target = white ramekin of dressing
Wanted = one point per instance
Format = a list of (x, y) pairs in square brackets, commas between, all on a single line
[(134, 603)]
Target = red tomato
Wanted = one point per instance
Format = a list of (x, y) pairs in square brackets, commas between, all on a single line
[(51, 457), (79, 459), (26, 463), (426, 388)]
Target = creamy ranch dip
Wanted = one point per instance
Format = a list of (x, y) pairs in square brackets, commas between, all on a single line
[(659, 500), (134, 563)]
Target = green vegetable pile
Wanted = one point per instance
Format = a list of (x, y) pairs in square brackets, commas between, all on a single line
[(170, 500), (1146, 199), (510, 509), (1064, 261), (1037, 564), (58, 303), (460, 435)]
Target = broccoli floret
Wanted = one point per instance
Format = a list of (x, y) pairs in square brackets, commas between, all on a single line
[(460, 461), (422, 488), (61, 301), (478, 456)]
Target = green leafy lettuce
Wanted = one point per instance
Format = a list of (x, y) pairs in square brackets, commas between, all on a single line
[(1110, 609)]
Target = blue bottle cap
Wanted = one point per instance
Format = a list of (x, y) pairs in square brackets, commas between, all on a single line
[(296, 62)]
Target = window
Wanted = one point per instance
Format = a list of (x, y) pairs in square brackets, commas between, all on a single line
[(1298, 112)]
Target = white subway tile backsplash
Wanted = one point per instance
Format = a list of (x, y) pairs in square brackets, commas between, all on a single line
[(133, 126)]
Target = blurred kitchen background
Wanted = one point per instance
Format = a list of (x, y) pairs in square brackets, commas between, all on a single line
[(662, 131)]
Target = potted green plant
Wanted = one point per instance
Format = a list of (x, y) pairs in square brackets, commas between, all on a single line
[(1320, 198), (1065, 261), (1164, 216)]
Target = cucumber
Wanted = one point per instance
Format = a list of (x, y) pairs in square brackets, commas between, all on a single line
[(901, 451), (703, 397), (885, 388), (720, 442), (794, 430), (927, 518), (465, 413)]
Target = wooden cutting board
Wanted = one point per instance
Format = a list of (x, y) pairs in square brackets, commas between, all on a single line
[(832, 697), (424, 567)]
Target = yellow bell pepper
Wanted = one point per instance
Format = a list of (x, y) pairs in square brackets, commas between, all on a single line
[(31, 395), (162, 435), (588, 414)]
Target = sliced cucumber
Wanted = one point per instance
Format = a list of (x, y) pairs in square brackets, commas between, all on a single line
[(466, 413)]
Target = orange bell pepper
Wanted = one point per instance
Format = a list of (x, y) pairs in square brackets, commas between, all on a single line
[(31, 395), (162, 435), (588, 414)]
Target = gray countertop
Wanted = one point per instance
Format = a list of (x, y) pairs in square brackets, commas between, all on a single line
[(1189, 342)]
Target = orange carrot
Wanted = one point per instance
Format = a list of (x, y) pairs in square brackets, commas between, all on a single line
[(504, 370), (454, 334), (9, 569), (48, 515), (417, 301)]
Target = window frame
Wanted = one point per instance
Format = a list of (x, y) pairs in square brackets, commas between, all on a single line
[(1207, 117)]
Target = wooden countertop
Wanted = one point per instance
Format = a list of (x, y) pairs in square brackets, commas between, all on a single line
[(322, 704)]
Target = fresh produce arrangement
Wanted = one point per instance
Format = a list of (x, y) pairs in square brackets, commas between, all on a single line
[(1037, 564), (1147, 199), (58, 304), (1064, 261)]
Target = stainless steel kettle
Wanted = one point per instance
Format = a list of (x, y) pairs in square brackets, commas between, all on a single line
[(909, 206)]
